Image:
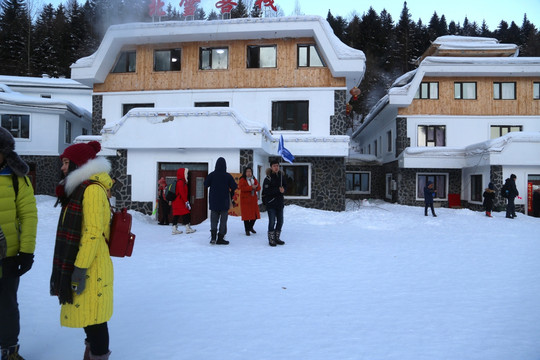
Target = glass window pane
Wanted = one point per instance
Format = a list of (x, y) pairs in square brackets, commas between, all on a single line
[(515, 128), (469, 91), (421, 136), (434, 90), (496, 91), (536, 91), (302, 56), (268, 56), (132, 61), (457, 90), (219, 59), (162, 60), (314, 58), (205, 59), (424, 90), (495, 132), (364, 182), (508, 91), (121, 64)]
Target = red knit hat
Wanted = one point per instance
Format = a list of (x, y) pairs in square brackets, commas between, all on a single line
[(79, 154)]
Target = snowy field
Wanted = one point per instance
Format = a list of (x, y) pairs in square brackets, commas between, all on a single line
[(376, 282)]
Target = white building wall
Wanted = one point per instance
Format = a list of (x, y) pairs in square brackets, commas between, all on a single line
[(44, 135)]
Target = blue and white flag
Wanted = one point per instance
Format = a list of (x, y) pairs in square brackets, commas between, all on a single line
[(285, 154)]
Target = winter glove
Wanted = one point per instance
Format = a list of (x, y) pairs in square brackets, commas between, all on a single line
[(78, 280), (24, 263), (188, 205)]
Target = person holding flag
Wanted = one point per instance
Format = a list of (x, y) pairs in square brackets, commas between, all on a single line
[(273, 189)]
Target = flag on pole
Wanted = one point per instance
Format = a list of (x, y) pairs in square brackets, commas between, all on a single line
[(285, 154)]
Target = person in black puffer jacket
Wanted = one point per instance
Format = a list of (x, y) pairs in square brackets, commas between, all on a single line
[(274, 186)]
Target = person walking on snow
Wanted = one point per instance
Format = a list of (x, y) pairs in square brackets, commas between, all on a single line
[(489, 196), (18, 226), (429, 194), (82, 274), (180, 205), (274, 186), (163, 202), (511, 193), (222, 187)]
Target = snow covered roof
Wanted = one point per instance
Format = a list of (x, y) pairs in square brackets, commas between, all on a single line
[(10, 97), (342, 60), (42, 82)]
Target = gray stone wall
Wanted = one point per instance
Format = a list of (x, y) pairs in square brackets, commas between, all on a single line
[(47, 171), (406, 193), (496, 177), (246, 159), (339, 122), (97, 114), (402, 141), (327, 183)]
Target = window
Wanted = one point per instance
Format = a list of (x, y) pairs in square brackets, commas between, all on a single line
[(389, 141), (298, 180), (167, 60), (45, 96), (536, 91), (358, 182), (431, 135), (126, 62), (389, 183), (212, 104), (67, 133), (427, 90), (85, 131), (500, 130), (261, 56), (375, 147), (465, 90), (127, 107), (214, 58), (369, 149), (308, 56), (504, 90), (476, 188), (290, 115), (17, 125), (439, 185)]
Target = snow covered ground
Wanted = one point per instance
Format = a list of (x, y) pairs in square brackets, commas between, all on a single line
[(376, 282)]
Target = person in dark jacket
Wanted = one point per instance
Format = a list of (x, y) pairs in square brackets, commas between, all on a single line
[(18, 224), (511, 193), (274, 186), (222, 187), (489, 196), (163, 202), (429, 193)]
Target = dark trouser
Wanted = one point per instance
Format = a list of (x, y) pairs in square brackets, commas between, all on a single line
[(273, 215), (165, 210), (186, 219), (248, 224), (429, 206), (98, 337), (511, 207), (221, 218), (9, 312)]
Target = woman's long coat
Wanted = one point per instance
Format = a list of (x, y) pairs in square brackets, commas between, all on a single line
[(179, 204), (95, 304), (249, 203)]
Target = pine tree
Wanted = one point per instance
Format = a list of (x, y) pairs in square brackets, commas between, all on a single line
[(44, 55), (404, 39), (14, 38), (443, 27), (484, 30), (213, 15), (239, 11), (452, 28), (255, 12), (528, 32), (434, 26)]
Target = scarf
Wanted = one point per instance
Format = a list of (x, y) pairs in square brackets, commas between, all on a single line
[(250, 182), (68, 238)]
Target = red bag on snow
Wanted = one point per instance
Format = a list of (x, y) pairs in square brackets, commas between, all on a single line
[(121, 240)]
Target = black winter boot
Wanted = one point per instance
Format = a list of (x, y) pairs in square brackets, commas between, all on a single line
[(221, 240), (278, 240), (246, 227), (272, 238), (11, 353), (213, 236)]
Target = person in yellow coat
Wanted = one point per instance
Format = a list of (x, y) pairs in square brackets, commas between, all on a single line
[(82, 275), (18, 224)]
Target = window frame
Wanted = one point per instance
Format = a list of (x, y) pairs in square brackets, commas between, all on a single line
[(127, 65), (130, 106), (420, 92), (23, 118), (284, 111), (283, 167), (359, 173), (501, 127), (420, 191), (210, 51), (460, 84), (211, 104), (171, 62), (388, 190), (498, 94), (427, 141), (309, 48), (536, 90), (252, 48), (389, 144), (476, 189)]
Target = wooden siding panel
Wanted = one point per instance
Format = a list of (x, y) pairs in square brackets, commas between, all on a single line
[(484, 103), (286, 74)]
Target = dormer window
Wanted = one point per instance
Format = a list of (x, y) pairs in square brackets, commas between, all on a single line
[(261, 56), (308, 56), (126, 63), (167, 60), (214, 58)]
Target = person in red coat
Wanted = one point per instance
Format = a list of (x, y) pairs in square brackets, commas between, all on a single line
[(180, 205), (249, 203)]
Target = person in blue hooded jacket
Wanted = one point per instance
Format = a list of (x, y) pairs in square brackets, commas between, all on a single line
[(222, 187), (429, 194)]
